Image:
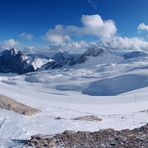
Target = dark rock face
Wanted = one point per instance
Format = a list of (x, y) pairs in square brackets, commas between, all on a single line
[(109, 138), (93, 51), (13, 61)]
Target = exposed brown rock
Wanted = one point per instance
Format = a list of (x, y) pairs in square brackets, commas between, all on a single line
[(10, 104)]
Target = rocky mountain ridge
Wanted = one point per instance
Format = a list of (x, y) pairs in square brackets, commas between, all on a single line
[(13, 61)]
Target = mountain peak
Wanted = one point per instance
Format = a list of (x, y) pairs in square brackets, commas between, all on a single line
[(95, 51), (13, 51)]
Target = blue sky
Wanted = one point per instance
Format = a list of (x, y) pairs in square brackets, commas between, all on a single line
[(28, 21)]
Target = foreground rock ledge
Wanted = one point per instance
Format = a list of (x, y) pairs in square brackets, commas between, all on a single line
[(109, 138), (10, 104)]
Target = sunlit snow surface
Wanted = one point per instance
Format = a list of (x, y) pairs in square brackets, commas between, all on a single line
[(117, 92)]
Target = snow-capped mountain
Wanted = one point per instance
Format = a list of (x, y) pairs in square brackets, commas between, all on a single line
[(92, 51), (96, 53), (16, 62), (61, 59)]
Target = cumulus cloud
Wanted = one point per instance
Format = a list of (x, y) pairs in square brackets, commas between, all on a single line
[(92, 25), (11, 43), (95, 25), (26, 36), (143, 27), (124, 43), (57, 35)]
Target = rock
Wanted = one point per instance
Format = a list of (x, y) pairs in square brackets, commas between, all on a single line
[(137, 138), (58, 118), (88, 118), (10, 104)]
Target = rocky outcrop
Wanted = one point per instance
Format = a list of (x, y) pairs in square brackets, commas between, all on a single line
[(88, 118), (12, 105), (109, 138)]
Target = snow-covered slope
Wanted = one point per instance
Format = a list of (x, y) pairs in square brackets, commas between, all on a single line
[(106, 85)]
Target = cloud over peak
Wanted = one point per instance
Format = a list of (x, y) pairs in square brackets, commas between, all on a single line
[(125, 43)]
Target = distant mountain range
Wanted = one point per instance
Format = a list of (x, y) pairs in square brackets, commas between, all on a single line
[(13, 61)]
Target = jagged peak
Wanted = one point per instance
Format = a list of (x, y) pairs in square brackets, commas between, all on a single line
[(13, 51), (97, 49)]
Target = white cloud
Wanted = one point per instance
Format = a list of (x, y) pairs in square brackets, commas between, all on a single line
[(95, 25), (57, 35), (11, 43), (143, 26), (75, 45), (72, 46), (124, 43), (56, 38), (92, 25), (26, 36)]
